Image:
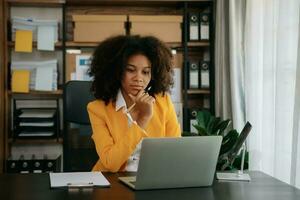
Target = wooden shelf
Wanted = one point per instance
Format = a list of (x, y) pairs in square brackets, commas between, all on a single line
[(36, 2), (34, 44), (198, 44), (94, 44), (35, 141), (81, 44), (198, 91), (37, 94)]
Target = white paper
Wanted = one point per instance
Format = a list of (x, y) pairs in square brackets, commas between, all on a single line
[(204, 32), (194, 32), (45, 38), (37, 114), (204, 78), (31, 134), (77, 178), (194, 79), (37, 124), (176, 89), (192, 128), (21, 23), (33, 65), (44, 78)]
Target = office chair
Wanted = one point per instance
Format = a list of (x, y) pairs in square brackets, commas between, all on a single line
[(79, 149)]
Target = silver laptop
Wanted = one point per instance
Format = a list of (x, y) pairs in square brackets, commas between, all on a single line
[(176, 163)]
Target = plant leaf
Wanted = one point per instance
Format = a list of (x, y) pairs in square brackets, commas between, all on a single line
[(228, 141), (203, 118), (201, 131), (222, 126)]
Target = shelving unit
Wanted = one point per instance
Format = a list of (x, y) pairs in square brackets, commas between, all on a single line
[(10, 141), (191, 98)]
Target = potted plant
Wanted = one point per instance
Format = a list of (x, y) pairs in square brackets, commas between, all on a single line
[(208, 125)]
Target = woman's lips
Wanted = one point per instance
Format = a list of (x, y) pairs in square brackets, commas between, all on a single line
[(137, 87)]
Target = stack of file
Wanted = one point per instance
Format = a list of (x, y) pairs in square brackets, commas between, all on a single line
[(36, 122), (45, 32), (43, 74)]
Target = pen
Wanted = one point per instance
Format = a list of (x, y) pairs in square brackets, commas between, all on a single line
[(131, 107)]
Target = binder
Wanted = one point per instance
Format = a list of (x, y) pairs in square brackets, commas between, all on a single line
[(194, 27), (25, 165), (204, 70), (33, 163), (37, 164), (13, 165), (51, 163), (204, 26), (193, 75), (192, 119)]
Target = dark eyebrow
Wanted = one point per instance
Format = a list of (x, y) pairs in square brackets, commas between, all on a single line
[(131, 65)]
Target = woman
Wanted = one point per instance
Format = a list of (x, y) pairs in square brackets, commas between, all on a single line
[(132, 76)]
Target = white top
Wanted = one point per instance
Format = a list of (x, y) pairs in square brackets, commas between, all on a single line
[(133, 160)]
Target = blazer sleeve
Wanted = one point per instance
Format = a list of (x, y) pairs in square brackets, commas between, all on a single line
[(113, 154), (172, 125)]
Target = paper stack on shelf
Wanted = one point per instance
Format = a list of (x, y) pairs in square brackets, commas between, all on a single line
[(45, 32), (43, 74)]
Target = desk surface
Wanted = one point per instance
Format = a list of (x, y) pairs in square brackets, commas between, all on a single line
[(37, 186)]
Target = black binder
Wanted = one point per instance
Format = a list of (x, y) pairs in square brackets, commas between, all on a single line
[(194, 73), (204, 26), (192, 119), (194, 27), (204, 71)]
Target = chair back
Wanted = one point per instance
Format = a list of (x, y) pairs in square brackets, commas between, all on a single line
[(77, 95), (79, 149)]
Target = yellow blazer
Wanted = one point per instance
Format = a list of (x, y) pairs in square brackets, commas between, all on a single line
[(116, 140)]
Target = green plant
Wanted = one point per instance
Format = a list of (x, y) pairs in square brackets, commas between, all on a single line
[(208, 125)]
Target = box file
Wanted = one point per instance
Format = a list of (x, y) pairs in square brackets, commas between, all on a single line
[(165, 27), (99, 27)]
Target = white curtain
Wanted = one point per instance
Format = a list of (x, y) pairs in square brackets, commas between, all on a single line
[(264, 81), (229, 78), (271, 51)]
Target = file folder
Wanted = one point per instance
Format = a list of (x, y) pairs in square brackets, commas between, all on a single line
[(20, 81), (23, 41), (193, 26)]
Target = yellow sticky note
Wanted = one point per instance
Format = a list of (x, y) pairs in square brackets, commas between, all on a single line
[(20, 81), (23, 41)]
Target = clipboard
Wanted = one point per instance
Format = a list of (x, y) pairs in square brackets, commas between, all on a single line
[(78, 180)]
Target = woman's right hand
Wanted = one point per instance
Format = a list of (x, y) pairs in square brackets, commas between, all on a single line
[(143, 110)]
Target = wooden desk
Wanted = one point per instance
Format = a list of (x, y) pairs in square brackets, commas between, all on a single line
[(37, 187)]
